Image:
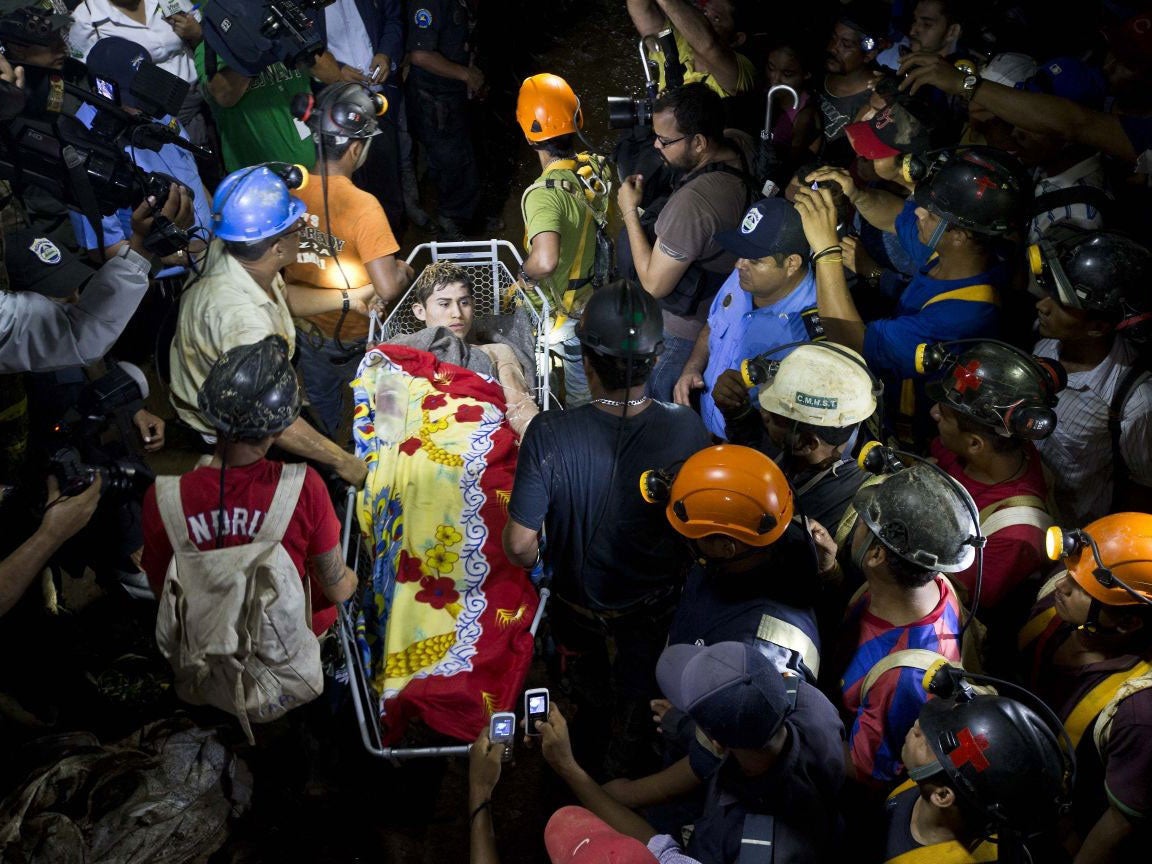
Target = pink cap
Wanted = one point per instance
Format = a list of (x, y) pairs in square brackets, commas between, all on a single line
[(576, 836)]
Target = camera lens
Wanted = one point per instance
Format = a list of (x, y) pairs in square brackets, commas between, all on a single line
[(621, 112)]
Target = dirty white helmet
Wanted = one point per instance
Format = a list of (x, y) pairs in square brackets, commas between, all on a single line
[(819, 385), (1009, 69)]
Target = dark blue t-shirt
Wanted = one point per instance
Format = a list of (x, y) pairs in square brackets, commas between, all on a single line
[(606, 546)]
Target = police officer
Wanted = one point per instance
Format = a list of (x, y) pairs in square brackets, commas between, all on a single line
[(240, 299), (442, 80)]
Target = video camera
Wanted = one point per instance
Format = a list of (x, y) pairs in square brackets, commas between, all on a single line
[(86, 166), (626, 112), (251, 36), (78, 452)]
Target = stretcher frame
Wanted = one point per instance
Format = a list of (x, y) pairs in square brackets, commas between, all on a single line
[(366, 704), (495, 290)]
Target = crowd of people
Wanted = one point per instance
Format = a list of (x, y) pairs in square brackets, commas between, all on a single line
[(844, 497)]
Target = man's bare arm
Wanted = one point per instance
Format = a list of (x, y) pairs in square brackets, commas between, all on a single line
[(710, 54), (646, 16), (336, 579)]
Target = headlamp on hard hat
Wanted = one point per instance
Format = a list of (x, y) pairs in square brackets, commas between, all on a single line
[(1070, 543)]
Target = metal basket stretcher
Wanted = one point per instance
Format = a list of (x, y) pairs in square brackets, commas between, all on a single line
[(496, 294), (496, 297)]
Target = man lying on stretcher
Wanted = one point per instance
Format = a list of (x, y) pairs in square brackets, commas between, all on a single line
[(442, 299)]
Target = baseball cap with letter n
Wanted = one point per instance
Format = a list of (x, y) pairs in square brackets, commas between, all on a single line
[(771, 227)]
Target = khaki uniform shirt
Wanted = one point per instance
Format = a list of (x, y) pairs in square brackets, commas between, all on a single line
[(225, 308)]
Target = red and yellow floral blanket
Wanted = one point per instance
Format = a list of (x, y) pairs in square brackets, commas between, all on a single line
[(444, 626)]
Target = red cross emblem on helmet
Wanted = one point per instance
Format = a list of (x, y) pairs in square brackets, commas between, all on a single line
[(983, 183), (970, 751), (966, 377)]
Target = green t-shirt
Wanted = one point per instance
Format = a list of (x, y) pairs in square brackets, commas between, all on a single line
[(746, 72), (260, 127), (565, 213)]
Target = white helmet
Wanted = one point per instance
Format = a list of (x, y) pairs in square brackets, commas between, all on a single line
[(822, 385), (1009, 69)]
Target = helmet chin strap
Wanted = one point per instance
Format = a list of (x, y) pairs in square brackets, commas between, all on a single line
[(923, 772), (858, 557), (937, 233)]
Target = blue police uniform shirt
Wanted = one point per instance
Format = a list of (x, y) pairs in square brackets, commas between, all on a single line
[(738, 331), (171, 160), (890, 344)]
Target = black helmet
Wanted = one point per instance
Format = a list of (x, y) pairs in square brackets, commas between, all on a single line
[(251, 391), (920, 515), (622, 320), (1092, 269), (341, 111), (996, 385), (980, 189), (1002, 759)]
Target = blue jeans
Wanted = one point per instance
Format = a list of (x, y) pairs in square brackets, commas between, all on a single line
[(669, 366), (576, 391), (326, 371)]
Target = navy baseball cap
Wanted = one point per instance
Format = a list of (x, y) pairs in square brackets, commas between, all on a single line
[(118, 60), (40, 262), (732, 691), (771, 227)]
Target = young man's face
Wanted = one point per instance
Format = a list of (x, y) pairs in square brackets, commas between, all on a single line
[(925, 224), (843, 54), (1070, 601), (930, 29), (951, 435), (1058, 321), (916, 753), (447, 306)]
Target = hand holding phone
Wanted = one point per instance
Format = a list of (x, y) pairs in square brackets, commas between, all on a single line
[(502, 732), (535, 709)]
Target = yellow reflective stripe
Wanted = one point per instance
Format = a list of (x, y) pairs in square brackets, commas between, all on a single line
[(970, 293), (901, 789), (1096, 698), (1013, 501), (907, 397), (1032, 630), (947, 853)]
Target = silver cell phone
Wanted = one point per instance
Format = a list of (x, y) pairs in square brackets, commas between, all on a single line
[(535, 708), (502, 731)]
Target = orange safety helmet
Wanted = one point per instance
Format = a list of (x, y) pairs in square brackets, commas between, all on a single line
[(731, 490), (547, 108), (1124, 541)]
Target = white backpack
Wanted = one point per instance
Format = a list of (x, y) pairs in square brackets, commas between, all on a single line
[(235, 622)]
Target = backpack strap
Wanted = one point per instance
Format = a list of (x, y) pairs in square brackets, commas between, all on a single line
[(757, 839), (909, 658), (1131, 380), (283, 503), (1102, 728), (969, 293), (172, 513)]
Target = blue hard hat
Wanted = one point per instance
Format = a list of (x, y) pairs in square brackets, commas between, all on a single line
[(253, 204)]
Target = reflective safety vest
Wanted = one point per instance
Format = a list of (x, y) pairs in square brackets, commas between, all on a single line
[(1097, 708)]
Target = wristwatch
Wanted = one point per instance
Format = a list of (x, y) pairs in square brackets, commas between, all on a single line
[(971, 82)]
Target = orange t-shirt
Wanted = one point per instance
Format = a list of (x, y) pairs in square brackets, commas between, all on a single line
[(359, 232)]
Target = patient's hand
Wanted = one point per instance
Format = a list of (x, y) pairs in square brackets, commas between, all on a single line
[(517, 395)]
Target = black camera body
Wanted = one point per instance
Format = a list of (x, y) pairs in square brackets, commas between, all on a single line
[(86, 167), (627, 112), (251, 36), (79, 454)]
